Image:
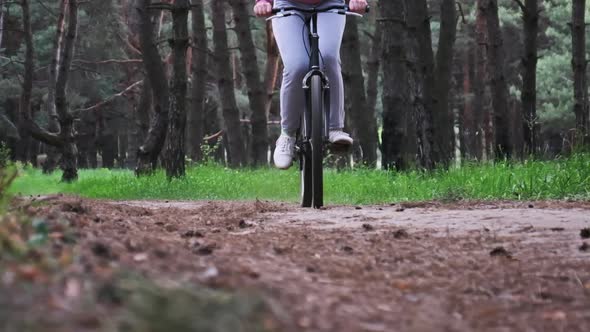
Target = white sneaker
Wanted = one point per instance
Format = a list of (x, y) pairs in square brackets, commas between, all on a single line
[(284, 152), (340, 137)]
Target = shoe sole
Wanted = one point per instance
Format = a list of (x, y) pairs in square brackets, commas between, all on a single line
[(284, 168), (341, 143)]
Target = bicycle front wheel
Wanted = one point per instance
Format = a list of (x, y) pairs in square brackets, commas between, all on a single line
[(306, 176), (317, 140)]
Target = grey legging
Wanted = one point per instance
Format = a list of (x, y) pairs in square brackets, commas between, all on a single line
[(293, 42)]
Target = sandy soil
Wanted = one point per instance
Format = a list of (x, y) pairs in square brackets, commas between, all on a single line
[(500, 266)]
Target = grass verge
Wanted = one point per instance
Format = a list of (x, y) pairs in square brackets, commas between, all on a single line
[(565, 178)]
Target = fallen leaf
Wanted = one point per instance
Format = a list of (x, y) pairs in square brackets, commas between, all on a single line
[(28, 272), (66, 258), (142, 257), (402, 285), (56, 236), (73, 289), (554, 315)]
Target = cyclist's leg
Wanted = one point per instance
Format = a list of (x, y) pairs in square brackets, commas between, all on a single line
[(331, 29), (292, 38)]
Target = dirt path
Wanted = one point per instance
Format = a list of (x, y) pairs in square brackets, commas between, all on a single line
[(421, 267)]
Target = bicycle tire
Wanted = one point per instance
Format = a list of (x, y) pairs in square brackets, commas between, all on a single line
[(317, 140), (306, 176)]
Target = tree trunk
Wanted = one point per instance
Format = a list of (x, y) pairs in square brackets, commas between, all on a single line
[(231, 114), (444, 64), (255, 87), (66, 120), (456, 102), (1, 21), (130, 17), (174, 161), (482, 98), (273, 64), (374, 64), (24, 114), (395, 102), (503, 145), (420, 78), (140, 122), (530, 17), (147, 155), (196, 130), (579, 64), (24, 117), (468, 125), (123, 138), (53, 126), (271, 82), (363, 120)]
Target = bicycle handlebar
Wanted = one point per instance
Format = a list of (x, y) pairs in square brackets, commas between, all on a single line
[(315, 10)]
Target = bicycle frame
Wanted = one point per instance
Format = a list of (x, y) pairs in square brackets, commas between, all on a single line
[(315, 70), (314, 129)]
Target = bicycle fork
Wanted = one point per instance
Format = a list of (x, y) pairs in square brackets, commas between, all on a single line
[(314, 64)]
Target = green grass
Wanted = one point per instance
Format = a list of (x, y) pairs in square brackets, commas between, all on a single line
[(558, 179)]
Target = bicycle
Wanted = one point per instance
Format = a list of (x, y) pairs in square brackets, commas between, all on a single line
[(314, 129)]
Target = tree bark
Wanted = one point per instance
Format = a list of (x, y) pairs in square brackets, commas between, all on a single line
[(374, 65), (456, 104), (482, 98), (175, 152), (27, 87), (271, 83), (53, 124), (469, 125), (24, 116), (66, 119), (231, 114), (147, 155), (1, 22), (363, 122), (395, 88), (140, 119), (254, 84), (579, 64), (140, 103), (530, 17), (273, 64), (503, 145), (444, 64), (196, 130), (420, 65)]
